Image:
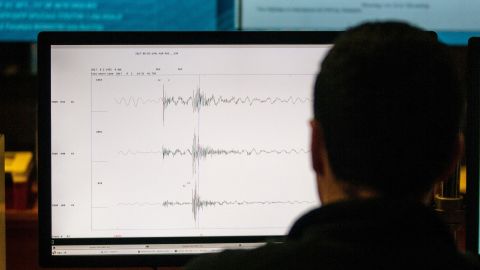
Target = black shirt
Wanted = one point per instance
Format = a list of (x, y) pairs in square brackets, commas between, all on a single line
[(366, 234)]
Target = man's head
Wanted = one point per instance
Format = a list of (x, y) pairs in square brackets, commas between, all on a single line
[(387, 110)]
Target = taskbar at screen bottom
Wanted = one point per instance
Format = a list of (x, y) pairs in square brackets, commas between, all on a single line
[(150, 249)]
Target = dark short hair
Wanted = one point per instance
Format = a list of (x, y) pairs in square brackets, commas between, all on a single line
[(389, 103)]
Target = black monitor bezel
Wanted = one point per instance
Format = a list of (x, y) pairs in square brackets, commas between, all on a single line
[(473, 147), (45, 40)]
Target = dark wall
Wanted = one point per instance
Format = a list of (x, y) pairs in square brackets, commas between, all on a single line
[(18, 111)]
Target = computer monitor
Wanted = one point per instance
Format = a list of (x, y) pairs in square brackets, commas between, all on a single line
[(21, 21), (453, 21), (154, 147)]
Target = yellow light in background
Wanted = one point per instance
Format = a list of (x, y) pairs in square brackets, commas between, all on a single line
[(19, 164)]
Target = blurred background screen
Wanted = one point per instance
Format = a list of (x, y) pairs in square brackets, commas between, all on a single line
[(22, 20), (454, 21)]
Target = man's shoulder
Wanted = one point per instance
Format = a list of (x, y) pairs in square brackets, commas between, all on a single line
[(293, 256), (375, 234)]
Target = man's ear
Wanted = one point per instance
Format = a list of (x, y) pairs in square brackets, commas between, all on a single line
[(317, 147)]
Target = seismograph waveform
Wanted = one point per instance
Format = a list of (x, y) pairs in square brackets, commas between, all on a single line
[(199, 152), (200, 99), (197, 203)]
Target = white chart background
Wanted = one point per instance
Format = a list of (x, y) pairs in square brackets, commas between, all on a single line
[(181, 141)]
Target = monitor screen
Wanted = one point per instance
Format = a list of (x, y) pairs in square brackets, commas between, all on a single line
[(154, 147), (454, 21), (22, 20)]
